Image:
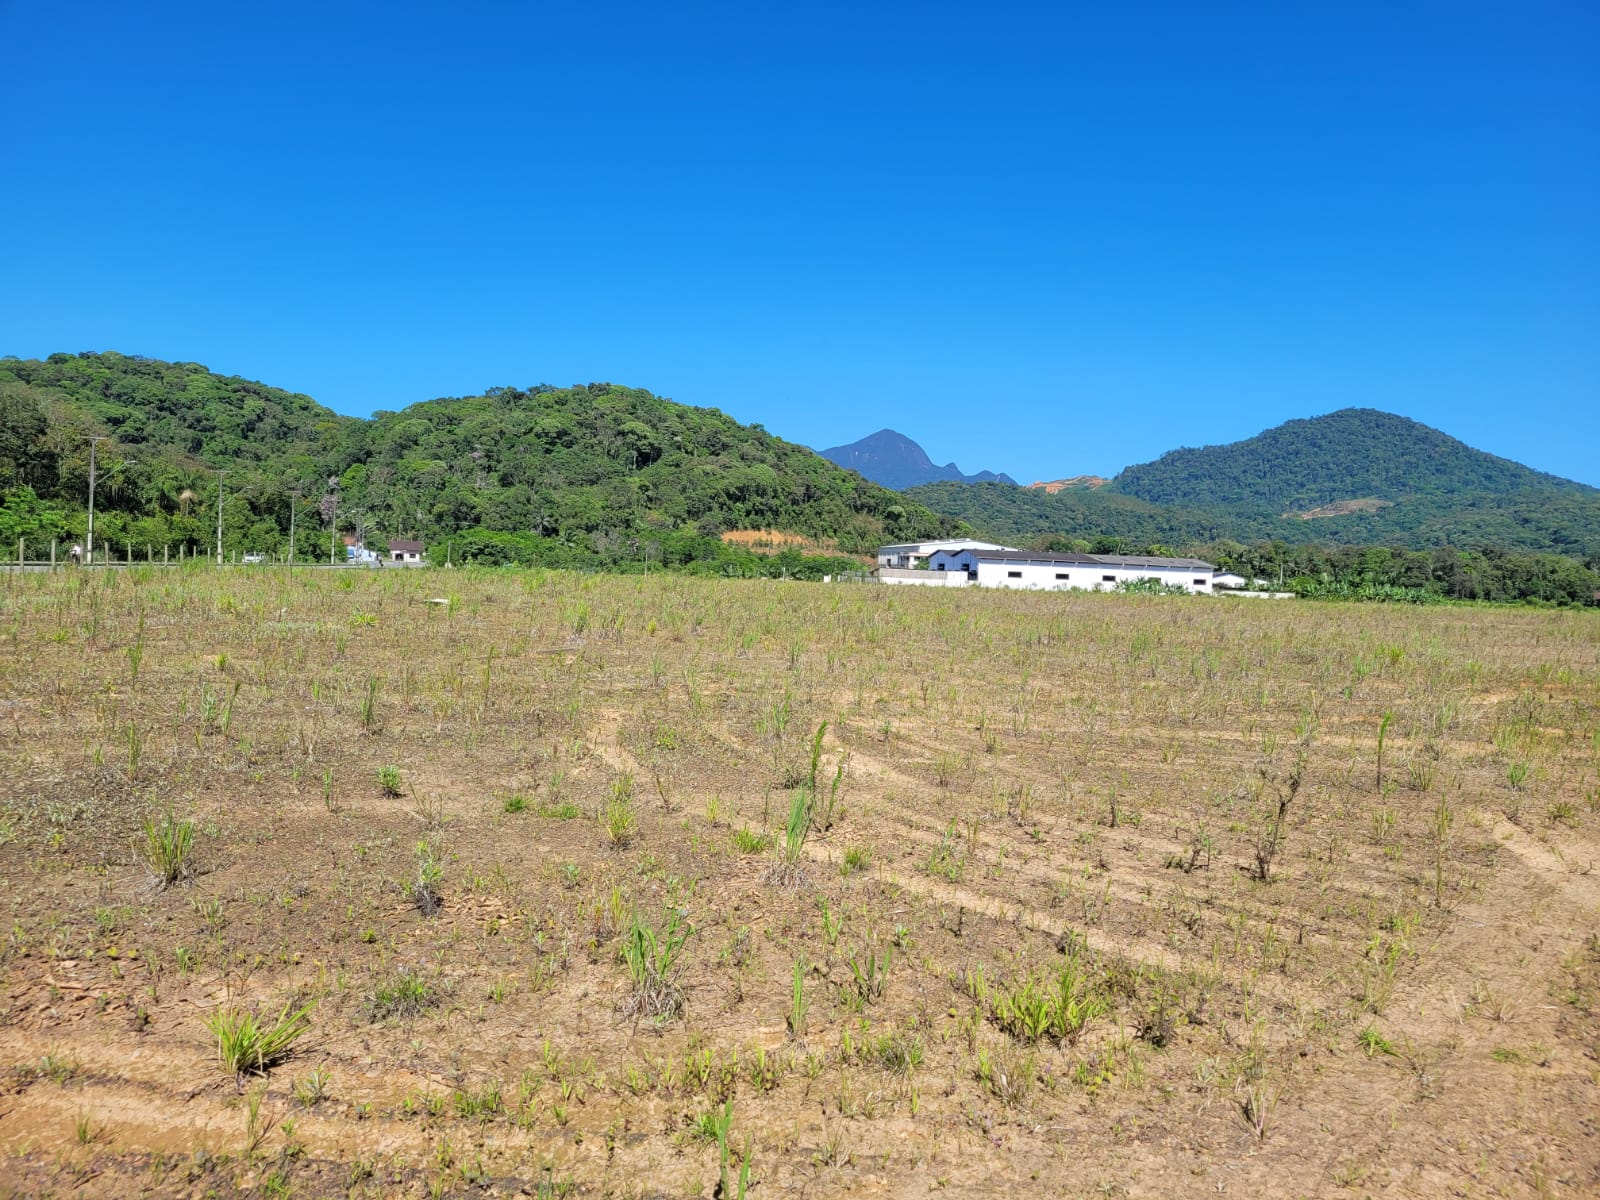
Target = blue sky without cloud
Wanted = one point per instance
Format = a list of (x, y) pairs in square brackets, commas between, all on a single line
[(1045, 239)]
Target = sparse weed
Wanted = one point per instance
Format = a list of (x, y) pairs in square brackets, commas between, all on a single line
[(1008, 1073), (798, 1005), (425, 884), (313, 1089)]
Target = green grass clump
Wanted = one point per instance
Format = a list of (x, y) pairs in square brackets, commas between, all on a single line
[(481, 1103), (652, 957), (167, 845), (562, 811), (389, 780), (620, 822), (856, 860), (404, 994), (250, 1044), (1374, 1042), (1035, 1007), (748, 841), (788, 871)]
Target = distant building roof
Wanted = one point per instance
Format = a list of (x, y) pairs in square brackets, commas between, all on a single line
[(935, 547), (406, 546), (984, 554)]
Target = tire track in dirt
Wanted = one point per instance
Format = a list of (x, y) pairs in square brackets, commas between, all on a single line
[(1581, 887), (1136, 887), (605, 739), (1135, 895), (1544, 908), (1144, 952)]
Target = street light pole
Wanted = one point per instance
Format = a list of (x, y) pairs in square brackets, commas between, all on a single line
[(219, 518)]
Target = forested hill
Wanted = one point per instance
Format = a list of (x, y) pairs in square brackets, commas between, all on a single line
[(597, 473), (1354, 477), (1557, 521), (1350, 455)]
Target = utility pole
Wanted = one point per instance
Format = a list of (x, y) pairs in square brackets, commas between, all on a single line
[(333, 520), (219, 518), (295, 500), (88, 549)]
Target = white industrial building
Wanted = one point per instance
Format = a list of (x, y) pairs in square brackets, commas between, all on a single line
[(907, 555), (970, 564)]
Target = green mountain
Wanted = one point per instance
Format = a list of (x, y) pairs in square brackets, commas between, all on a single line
[(591, 475), (895, 461), (1354, 477), (1352, 454)]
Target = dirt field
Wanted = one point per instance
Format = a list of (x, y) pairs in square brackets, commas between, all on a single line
[(1075, 895)]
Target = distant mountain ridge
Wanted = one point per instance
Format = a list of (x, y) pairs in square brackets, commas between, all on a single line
[(1355, 476), (1354, 453), (893, 460)]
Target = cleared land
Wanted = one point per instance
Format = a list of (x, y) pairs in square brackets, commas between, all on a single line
[(1074, 895)]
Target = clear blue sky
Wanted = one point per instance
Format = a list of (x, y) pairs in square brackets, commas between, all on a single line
[(1045, 239)]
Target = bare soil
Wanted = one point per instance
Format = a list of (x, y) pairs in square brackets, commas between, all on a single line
[(1403, 1001)]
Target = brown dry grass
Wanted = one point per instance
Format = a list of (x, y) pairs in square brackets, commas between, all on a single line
[(1408, 1003)]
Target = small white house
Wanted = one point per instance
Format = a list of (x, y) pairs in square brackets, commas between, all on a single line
[(401, 550), (907, 555), (1036, 570)]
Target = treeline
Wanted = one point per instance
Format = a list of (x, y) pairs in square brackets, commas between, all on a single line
[(1559, 521), (1378, 572), (1418, 576), (689, 553), (580, 471)]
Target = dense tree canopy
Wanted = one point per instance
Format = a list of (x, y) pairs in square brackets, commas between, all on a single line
[(1356, 453), (1560, 522), (609, 476), (601, 471)]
